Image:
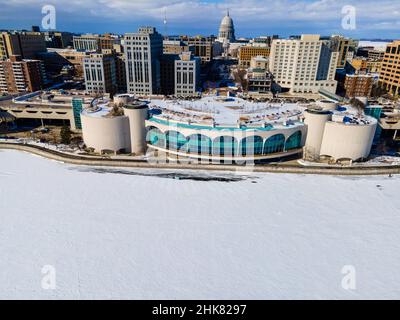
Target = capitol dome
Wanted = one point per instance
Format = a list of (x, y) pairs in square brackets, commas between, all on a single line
[(227, 21), (226, 29)]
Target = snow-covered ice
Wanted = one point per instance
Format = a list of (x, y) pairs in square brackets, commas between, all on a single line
[(140, 235)]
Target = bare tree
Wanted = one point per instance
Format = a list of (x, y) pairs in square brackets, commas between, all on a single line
[(358, 105), (377, 91)]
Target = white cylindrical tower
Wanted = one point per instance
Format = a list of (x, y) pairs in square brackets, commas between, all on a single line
[(106, 133), (315, 121), (348, 141), (137, 112)]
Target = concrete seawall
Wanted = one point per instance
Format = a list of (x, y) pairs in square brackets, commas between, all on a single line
[(268, 168)]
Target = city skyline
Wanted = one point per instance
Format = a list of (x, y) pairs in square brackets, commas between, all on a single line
[(252, 18)]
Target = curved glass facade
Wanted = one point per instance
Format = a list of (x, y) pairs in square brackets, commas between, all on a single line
[(294, 141), (252, 146), (225, 146), (175, 141), (155, 137), (274, 144), (199, 144)]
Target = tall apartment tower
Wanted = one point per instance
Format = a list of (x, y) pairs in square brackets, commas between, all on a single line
[(389, 77), (187, 74), (100, 73), (17, 75), (358, 85), (304, 65), (143, 51)]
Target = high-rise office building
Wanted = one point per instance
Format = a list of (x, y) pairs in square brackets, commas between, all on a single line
[(3, 49), (108, 42), (143, 51), (304, 65), (187, 74), (24, 44), (246, 53), (100, 73), (120, 69), (94, 42), (87, 42), (376, 55), (18, 75), (167, 73), (203, 47), (366, 65), (54, 60), (176, 47), (389, 77), (58, 40), (342, 45), (263, 40)]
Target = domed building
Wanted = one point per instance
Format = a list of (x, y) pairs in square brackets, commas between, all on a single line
[(226, 29)]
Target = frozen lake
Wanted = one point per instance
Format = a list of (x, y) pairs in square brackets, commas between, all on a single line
[(155, 235)]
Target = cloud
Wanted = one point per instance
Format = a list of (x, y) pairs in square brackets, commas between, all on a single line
[(205, 15)]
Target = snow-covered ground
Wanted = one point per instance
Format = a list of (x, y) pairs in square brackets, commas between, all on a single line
[(378, 45), (145, 234)]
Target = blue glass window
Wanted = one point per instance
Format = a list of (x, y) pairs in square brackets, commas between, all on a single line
[(294, 141), (252, 146), (175, 141), (77, 108), (274, 144), (155, 137), (199, 144), (225, 146)]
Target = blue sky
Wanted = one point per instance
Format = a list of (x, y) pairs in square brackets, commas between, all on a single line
[(375, 19)]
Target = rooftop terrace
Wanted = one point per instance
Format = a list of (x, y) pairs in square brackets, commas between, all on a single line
[(219, 111)]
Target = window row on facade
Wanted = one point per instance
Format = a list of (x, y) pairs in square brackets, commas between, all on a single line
[(223, 145)]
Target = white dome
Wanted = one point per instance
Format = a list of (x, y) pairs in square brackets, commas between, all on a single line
[(226, 29), (227, 21)]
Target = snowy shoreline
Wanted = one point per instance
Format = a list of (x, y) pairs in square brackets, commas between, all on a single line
[(378, 166)]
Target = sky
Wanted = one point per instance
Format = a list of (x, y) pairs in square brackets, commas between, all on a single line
[(374, 18)]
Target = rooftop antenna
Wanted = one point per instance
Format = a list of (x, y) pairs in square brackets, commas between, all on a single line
[(165, 23)]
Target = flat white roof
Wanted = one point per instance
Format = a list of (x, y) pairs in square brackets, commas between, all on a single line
[(224, 110), (100, 108)]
